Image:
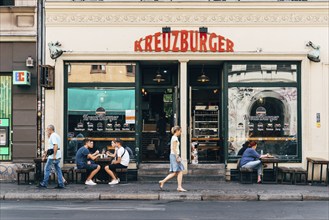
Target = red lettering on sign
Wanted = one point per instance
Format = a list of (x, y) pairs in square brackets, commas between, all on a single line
[(194, 41), (212, 45), (21, 76), (203, 42), (166, 42), (175, 46), (183, 41), (148, 43), (229, 45), (138, 46), (157, 42), (221, 43)]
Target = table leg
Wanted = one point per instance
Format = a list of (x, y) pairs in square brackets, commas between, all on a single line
[(307, 164), (37, 171), (275, 166), (312, 173), (321, 173)]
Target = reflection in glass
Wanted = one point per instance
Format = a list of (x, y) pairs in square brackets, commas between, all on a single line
[(101, 72), (262, 73), (265, 115)]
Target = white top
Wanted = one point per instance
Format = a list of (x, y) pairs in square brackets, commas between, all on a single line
[(174, 138), (55, 139), (125, 158)]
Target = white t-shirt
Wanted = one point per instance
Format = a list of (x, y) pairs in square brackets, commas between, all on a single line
[(125, 158), (55, 139), (174, 138)]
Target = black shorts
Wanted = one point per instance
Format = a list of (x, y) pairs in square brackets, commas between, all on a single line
[(88, 167), (113, 167)]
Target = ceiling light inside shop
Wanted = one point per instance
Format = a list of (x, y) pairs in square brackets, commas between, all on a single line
[(203, 78)]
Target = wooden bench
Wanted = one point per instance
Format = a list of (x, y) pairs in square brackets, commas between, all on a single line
[(122, 174), (26, 171), (82, 172), (299, 173), (68, 172), (284, 172), (247, 173)]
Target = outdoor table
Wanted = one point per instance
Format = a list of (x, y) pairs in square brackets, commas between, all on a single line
[(102, 175), (275, 161), (39, 168), (321, 162)]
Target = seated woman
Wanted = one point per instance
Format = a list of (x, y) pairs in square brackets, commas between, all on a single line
[(250, 159)]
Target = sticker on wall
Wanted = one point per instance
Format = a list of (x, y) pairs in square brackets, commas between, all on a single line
[(269, 127), (79, 127), (318, 121), (260, 111), (286, 127), (251, 126), (277, 127), (260, 127), (240, 126)]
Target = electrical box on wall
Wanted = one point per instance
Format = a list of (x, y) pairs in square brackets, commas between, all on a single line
[(47, 76)]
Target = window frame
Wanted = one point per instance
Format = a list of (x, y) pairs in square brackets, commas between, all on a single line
[(228, 85)]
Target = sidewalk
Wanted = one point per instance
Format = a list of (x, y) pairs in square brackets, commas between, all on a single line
[(220, 191)]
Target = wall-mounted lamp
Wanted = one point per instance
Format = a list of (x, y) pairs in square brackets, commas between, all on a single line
[(203, 30), (166, 29), (203, 78), (158, 78), (29, 62), (313, 55), (55, 50)]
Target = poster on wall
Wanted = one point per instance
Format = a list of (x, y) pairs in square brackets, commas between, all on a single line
[(130, 116)]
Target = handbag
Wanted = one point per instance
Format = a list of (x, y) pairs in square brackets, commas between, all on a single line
[(50, 152)]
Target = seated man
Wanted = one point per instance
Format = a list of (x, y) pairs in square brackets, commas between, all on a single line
[(82, 157), (121, 161)]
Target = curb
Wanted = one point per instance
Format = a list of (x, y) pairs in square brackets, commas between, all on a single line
[(166, 196)]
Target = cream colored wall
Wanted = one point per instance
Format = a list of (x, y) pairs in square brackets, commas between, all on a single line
[(281, 30)]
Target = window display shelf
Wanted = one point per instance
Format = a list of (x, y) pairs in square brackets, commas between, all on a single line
[(202, 119)]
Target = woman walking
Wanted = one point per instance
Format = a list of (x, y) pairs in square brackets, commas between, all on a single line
[(176, 165)]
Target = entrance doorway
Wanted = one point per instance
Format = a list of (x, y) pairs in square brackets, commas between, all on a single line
[(159, 105), (205, 113)]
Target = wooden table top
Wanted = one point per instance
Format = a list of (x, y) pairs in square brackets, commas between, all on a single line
[(317, 160), (39, 159), (272, 160)]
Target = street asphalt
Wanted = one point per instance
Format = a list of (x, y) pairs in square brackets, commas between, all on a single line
[(202, 191)]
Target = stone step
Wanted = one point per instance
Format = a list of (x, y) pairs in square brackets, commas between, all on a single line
[(196, 172), (187, 178)]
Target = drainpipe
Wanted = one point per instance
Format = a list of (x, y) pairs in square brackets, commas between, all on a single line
[(40, 90)]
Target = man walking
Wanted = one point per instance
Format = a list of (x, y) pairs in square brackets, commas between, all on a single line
[(54, 158)]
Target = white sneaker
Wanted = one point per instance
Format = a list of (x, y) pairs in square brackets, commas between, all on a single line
[(113, 182), (90, 183), (118, 180)]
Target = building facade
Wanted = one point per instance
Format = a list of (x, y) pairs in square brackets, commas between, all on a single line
[(18, 84), (226, 72)]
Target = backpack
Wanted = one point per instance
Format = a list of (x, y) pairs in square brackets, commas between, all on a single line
[(130, 152)]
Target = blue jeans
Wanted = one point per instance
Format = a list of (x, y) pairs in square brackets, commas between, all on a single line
[(256, 165), (48, 170)]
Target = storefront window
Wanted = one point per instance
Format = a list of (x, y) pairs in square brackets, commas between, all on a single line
[(265, 114), (262, 73), (101, 72), (5, 117), (102, 114)]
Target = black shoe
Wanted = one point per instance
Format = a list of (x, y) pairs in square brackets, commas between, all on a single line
[(59, 187), (41, 186)]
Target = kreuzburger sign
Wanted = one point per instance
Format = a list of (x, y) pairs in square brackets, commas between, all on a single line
[(184, 41)]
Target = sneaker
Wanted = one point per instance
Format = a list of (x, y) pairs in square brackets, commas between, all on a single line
[(59, 187), (113, 182), (90, 183), (118, 180), (41, 186)]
